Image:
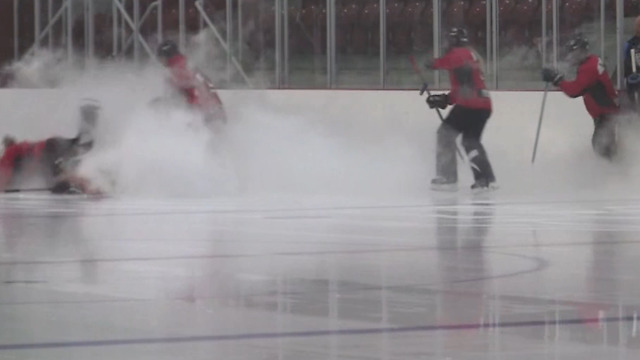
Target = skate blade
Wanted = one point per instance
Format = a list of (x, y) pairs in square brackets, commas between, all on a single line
[(485, 190), (445, 187)]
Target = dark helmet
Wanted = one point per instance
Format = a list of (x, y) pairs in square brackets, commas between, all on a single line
[(578, 42), (167, 49), (458, 37), (8, 140), (576, 49)]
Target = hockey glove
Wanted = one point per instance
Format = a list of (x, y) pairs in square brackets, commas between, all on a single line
[(440, 101), (633, 79), (552, 76)]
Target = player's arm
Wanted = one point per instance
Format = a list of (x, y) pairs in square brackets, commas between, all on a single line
[(451, 60), (444, 63), (587, 76)]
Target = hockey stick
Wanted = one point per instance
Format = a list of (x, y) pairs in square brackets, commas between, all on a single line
[(425, 88), (544, 100), (634, 69), (425, 84), (13, 191)]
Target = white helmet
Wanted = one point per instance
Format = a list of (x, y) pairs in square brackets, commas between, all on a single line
[(89, 113)]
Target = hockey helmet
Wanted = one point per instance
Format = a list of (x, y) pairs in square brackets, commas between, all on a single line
[(576, 49), (578, 42), (167, 49), (457, 37), (8, 140), (89, 113)]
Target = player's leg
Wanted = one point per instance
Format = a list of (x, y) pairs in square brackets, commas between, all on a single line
[(446, 162), (633, 93), (56, 155), (605, 138), (471, 141)]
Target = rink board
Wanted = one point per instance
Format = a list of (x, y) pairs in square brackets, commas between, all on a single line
[(39, 113)]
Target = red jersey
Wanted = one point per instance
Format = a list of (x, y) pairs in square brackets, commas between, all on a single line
[(196, 88), (15, 156), (467, 82), (594, 85)]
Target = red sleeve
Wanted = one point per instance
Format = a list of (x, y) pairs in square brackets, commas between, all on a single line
[(587, 76), (446, 62)]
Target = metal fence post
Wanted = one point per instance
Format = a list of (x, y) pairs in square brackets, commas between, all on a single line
[(487, 65), (136, 30), (16, 30), (92, 30), (69, 30), (331, 43), (114, 28), (436, 38), (496, 43), (278, 39), (383, 43), (49, 19), (555, 16), (543, 40), (619, 41), (602, 24), (229, 14), (285, 45), (123, 28), (181, 25), (159, 24), (36, 22)]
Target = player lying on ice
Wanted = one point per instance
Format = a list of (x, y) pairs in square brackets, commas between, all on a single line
[(191, 85), (53, 161), (594, 85)]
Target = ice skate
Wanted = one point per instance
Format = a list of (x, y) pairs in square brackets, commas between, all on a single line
[(483, 186), (442, 184)]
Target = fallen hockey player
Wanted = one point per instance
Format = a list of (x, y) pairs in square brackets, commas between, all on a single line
[(52, 161), (194, 88)]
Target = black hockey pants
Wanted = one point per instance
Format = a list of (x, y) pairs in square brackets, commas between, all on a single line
[(605, 137), (470, 123)]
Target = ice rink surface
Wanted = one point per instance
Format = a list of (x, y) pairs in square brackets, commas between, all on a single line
[(441, 277)]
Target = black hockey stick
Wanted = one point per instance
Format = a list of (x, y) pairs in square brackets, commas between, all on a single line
[(13, 191), (425, 88), (535, 145), (425, 84)]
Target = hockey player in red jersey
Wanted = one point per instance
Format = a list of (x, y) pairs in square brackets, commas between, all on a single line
[(594, 85), (44, 160), (52, 160), (196, 89), (469, 115), (21, 156)]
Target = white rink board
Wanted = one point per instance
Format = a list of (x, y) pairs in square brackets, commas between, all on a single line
[(512, 126), (390, 132), (40, 113)]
